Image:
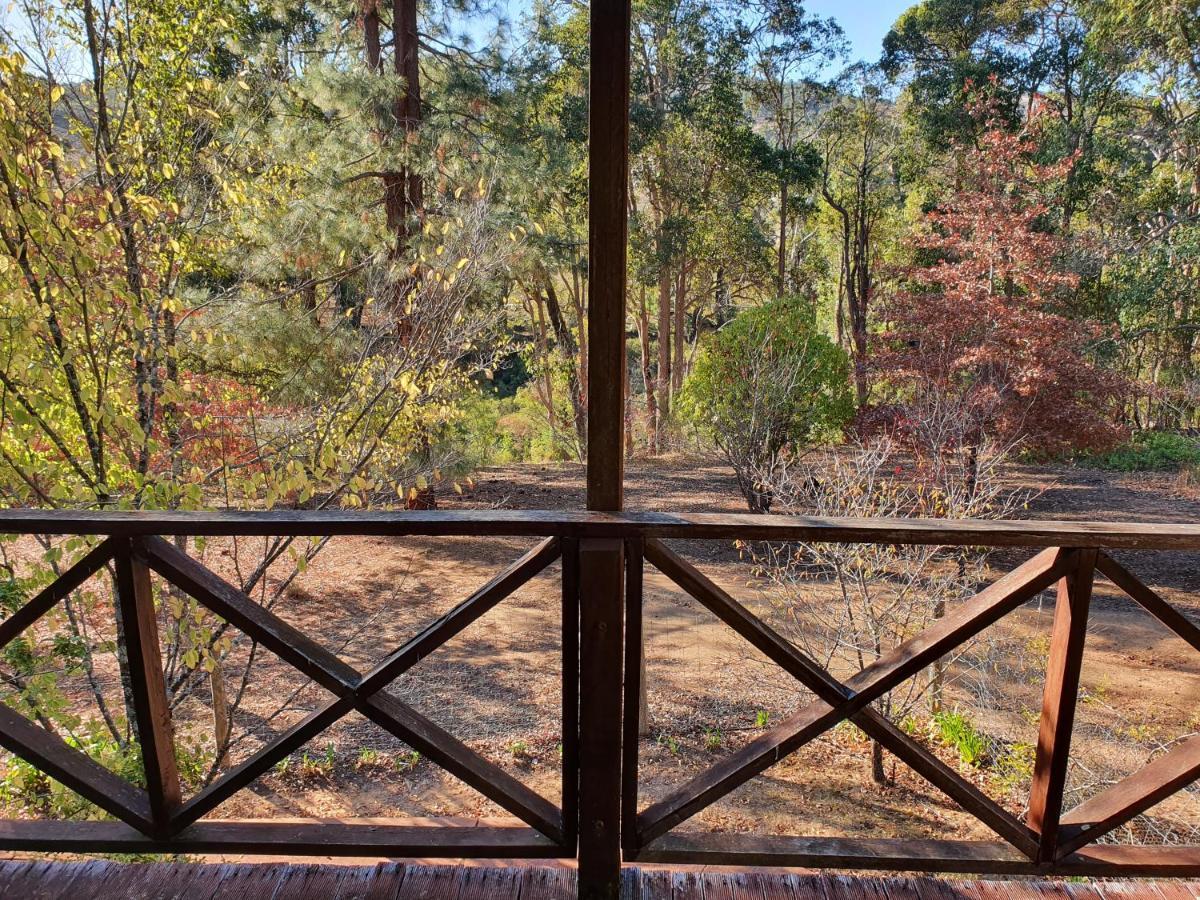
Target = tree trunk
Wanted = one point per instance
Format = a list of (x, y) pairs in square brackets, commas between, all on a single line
[(664, 355), (680, 316), (643, 327), (569, 350), (878, 773), (407, 110), (781, 261)]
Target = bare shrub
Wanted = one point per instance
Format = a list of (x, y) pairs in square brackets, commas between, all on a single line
[(881, 595)]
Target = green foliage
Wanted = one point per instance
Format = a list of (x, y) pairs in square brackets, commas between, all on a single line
[(1152, 451), (1013, 768), (24, 790), (957, 731), (767, 383)]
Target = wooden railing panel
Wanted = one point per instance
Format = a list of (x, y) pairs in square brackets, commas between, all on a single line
[(602, 573), (1131, 796), (872, 682), (78, 771)]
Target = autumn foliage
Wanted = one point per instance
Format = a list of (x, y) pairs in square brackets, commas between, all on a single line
[(974, 335)]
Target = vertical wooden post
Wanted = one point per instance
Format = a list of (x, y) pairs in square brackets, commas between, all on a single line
[(600, 657), (1058, 702), (570, 694), (151, 707), (634, 673), (608, 232), (600, 561)]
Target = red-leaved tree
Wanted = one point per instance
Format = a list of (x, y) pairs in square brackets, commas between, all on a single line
[(974, 349)]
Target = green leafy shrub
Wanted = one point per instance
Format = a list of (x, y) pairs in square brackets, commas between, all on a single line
[(1152, 451), (767, 384)]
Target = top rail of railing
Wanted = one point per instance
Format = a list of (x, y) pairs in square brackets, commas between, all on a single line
[(583, 524)]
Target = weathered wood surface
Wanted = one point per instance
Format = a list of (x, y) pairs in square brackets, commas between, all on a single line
[(580, 523), (43, 880), (444, 838), (912, 855)]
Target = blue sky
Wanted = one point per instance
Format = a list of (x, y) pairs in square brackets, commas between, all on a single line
[(864, 21)]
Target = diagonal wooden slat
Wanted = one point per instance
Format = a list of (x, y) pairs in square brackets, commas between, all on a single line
[(464, 763), (288, 643), (968, 620), (151, 706), (1058, 702), (355, 691), (1148, 599), (60, 588), (78, 771), (1130, 797), (817, 679)]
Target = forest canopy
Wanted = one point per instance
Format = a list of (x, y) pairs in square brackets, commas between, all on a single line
[(334, 254)]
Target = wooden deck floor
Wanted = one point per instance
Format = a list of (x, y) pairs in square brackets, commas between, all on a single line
[(54, 880)]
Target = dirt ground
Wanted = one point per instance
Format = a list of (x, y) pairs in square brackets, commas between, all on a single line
[(496, 686)]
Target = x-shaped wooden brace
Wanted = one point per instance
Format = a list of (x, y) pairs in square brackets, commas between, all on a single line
[(355, 691), (838, 701)]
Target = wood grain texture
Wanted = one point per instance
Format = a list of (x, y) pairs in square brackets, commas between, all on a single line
[(947, 856), (58, 880), (580, 523), (601, 644), (301, 837), (151, 706), (1059, 698), (608, 237)]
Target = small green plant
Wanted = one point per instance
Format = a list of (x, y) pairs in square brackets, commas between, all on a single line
[(519, 750), (957, 731), (319, 766), (281, 767), (406, 762), (366, 758), (761, 718), (712, 740), (670, 744)]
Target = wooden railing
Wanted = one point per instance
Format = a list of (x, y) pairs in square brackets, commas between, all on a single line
[(597, 818)]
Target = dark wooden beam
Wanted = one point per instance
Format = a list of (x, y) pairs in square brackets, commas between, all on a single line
[(305, 837), (152, 707), (623, 525), (608, 232), (1058, 702), (992, 858), (600, 654), (1162, 777)]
